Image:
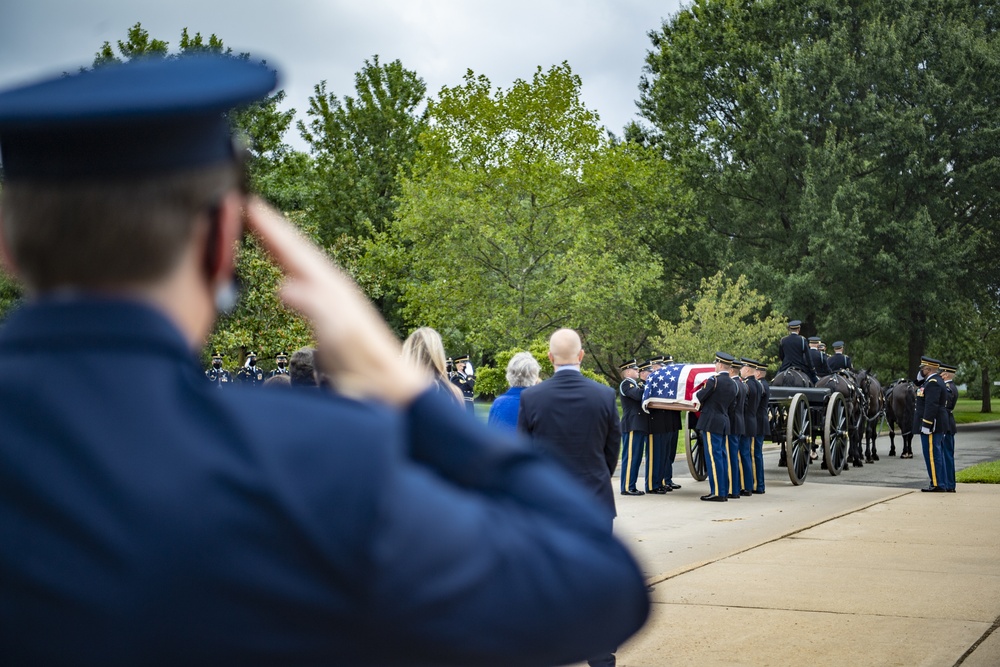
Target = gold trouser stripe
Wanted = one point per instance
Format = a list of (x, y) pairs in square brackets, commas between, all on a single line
[(714, 477), (649, 464), (753, 460), (930, 457), (729, 465), (739, 462), (628, 467)]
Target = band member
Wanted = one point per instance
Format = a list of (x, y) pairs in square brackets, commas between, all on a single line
[(282, 361), (250, 374), (217, 374)]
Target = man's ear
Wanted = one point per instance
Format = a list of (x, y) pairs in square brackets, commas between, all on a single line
[(225, 228), (6, 258), (580, 358)]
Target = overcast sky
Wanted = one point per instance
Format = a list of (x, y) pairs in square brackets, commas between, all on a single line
[(604, 41)]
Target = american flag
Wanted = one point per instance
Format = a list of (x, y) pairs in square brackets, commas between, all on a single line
[(673, 387)]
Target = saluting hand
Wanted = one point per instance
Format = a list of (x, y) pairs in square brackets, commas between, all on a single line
[(356, 349)]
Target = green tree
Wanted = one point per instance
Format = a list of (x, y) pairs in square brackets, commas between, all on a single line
[(726, 316), (521, 217), (259, 323), (841, 153), (361, 145)]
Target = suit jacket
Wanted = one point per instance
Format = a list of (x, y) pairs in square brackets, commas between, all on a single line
[(716, 396), (169, 523), (576, 419)]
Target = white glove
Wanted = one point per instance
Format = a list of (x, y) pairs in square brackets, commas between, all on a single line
[(469, 370), (926, 430)]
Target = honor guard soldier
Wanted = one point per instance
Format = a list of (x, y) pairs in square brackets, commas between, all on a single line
[(465, 383), (737, 429), (713, 400), (839, 360), (665, 426), (930, 419), (793, 351), (635, 426), (816, 357), (763, 428), (748, 374), (218, 375), (282, 361), (948, 442), (250, 374)]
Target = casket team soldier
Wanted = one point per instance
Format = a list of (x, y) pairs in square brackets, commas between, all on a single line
[(751, 410), (635, 426), (282, 361), (763, 428), (665, 430), (216, 374), (930, 419), (656, 446), (713, 400), (465, 383), (737, 430)]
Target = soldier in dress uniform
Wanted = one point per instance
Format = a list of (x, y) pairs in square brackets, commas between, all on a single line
[(763, 428), (737, 429), (282, 361), (713, 400), (216, 374), (930, 419), (665, 426), (250, 374), (839, 360), (748, 375), (948, 442), (817, 358), (465, 383), (635, 426), (793, 351)]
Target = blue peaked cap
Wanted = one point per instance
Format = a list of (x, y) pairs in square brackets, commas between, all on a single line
[(138, 118)]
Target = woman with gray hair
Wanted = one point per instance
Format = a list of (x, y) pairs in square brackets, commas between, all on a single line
[(522, 371)]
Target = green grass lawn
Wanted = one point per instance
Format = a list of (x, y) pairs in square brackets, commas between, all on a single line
[(981, 473), (967, 411)]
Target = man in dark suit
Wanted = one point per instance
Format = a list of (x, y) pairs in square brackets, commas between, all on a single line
[(713, 402), (168, 523), (576, 419)]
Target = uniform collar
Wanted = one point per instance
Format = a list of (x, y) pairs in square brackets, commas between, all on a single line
[(89, 322)]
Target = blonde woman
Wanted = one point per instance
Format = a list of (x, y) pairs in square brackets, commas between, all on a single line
[(424, 348)]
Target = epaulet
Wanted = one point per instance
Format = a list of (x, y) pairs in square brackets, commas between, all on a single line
[(932, 379)]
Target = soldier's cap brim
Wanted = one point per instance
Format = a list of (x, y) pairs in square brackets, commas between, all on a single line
[(147, 116)]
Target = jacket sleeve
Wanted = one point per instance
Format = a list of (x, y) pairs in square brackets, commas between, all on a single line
[(631, 390), (475, 530), (708, 389)]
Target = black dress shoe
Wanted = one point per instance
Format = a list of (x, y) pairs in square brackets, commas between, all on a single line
[(759, 493), (950, 490), (734, 496), (933, 489), (713, 499), (675, 486), (633, 492), (659, 491), (744, 492)]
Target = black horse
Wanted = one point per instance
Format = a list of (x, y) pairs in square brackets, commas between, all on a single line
[(873, 408), (900, 402), (845, 385)]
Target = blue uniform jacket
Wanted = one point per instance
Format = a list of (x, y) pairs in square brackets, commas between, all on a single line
[(169, 523), (751, 409), (716, 396)]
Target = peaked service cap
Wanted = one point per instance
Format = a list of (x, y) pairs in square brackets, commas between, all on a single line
[(146, 116)]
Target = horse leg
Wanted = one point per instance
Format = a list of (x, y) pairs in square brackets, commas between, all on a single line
[(892, 440), (873, 434), (782, 457), (855, 439), (868, 447)]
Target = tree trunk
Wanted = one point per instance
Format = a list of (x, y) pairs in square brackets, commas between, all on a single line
[(987, 386), (916, 343)]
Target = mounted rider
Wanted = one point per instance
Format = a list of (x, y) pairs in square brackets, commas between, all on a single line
[(818, 358), (839, 360), (793, 351)]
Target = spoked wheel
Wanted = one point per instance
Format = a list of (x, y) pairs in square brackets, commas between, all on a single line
[(836, 440), (797, 432), (696, 455)]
